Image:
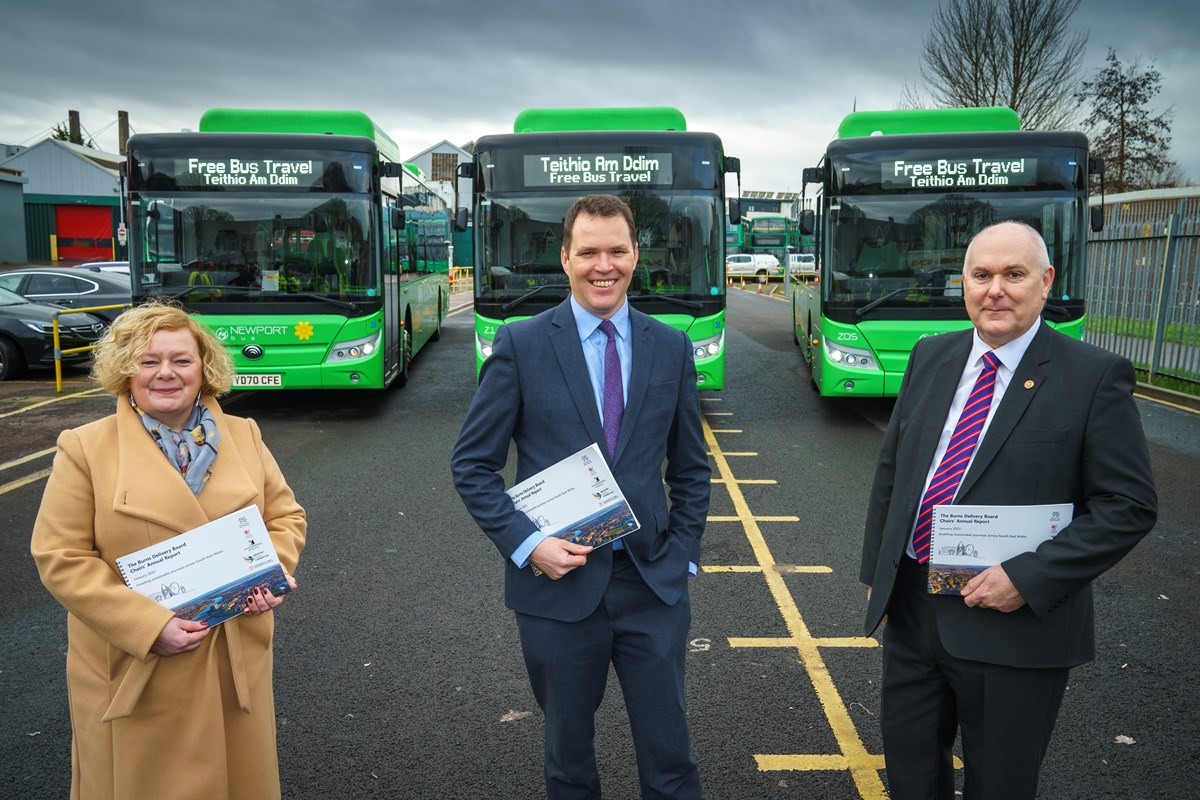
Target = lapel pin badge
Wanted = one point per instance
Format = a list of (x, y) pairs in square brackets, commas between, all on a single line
[(1028, 384)]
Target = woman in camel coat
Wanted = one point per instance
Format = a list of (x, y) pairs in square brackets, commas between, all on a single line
[(160, 706)]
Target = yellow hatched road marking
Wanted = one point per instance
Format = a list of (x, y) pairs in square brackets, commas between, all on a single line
[(28, 479), (760, 519), (759, 482), (863, 766), (25, 459), (59, 399), (783, 641), (814, 763)]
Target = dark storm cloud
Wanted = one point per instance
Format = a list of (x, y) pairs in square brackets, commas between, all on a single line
[(773, 78)]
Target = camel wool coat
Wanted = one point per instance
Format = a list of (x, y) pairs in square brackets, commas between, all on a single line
[(199, 724)]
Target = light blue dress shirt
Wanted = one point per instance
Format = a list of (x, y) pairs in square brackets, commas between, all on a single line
[(594, 342)]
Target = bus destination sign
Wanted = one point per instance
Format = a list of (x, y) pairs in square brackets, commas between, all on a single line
[(958, 173), (248, 171), (601, 169)]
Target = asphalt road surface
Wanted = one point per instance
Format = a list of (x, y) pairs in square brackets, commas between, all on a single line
[(398, 672)]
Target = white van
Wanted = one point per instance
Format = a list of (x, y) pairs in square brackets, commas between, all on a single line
[(803, 265), (755, 264)]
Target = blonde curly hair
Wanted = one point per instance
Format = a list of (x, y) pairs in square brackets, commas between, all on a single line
[(117, 356)]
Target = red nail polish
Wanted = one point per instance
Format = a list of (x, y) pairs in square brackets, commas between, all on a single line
[(256, 591)]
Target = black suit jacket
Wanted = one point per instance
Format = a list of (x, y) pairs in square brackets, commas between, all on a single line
[(1066, 431), (534, 390)]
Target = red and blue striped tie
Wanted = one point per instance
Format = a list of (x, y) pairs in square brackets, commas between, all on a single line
[(614, 391), (944, 483)]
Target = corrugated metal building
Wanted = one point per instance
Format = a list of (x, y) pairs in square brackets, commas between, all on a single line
[(12, 218), (73, 194)]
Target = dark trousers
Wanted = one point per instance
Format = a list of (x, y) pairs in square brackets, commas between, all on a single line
[(645, 641), (1006, 714)]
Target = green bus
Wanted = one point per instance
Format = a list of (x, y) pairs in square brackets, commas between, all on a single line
[(901, 196), (673, 179), (773, 235), (299, 237), (736, 237)]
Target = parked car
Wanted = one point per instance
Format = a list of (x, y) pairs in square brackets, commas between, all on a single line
[(757, 264), (802, 265), (121, 267), (70, 287), (27, 334)]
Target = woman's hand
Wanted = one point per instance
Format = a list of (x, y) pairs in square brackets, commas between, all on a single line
[(179, 636), (261, 602)]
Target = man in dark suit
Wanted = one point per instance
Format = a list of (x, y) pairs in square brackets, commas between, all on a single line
[(1059, 426), (594, 370)]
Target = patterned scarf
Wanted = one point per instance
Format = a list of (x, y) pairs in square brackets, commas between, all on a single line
[(193, 450)]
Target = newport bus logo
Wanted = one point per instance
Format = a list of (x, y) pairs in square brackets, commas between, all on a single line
[(234, 333), (304, 330)]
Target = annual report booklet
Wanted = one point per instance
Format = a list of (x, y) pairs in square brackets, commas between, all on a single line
[(207, 573), (966, 540), (577, 499)]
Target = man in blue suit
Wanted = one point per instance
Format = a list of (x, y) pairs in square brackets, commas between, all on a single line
[(594, 370)]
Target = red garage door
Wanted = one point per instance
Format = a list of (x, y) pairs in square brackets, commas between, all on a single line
[(84, 233)]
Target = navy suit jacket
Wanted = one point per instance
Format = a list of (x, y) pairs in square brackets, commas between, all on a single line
[(534, 390), (1066, 431)]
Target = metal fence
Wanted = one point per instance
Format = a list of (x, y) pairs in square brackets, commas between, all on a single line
[(1143, 293)]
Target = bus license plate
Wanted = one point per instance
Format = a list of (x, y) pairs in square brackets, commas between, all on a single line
[(258, 380)]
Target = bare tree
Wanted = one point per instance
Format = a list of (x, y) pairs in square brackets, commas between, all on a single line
[(1016, 53), (1135, 146)]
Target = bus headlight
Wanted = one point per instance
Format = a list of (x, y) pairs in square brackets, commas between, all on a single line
[(354, 349), (850, 356), (707, 348), (483, 345)]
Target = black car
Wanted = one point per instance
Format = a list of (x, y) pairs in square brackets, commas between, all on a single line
[(27, 334), (71, 287)]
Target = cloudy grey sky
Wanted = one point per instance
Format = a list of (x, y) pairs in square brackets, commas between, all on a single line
[(773, 77)]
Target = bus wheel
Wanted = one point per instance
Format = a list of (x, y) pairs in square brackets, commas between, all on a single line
[(406, 357), (11, 364)]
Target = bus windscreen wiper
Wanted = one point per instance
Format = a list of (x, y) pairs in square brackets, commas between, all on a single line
[(667, 298), (344, 304), (511, 304), (205, 287), (862, 312)]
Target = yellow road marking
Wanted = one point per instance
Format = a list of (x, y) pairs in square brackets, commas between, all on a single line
[(24, 459), (59, 399), (863, 766), (760, 519), (728, 430), (28, 479), (814, 763), (783, 641), (756, 481), (730, 455)]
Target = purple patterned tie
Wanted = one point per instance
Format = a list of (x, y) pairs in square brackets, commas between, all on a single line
[(614, 393), (944, 483)]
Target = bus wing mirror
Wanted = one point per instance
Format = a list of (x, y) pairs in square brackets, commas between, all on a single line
[(460, 219), (1096, 167), (397, 219), (808, 222), (390, 169), (733, 164), (735, 211), (466, 170), (813, 175)]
